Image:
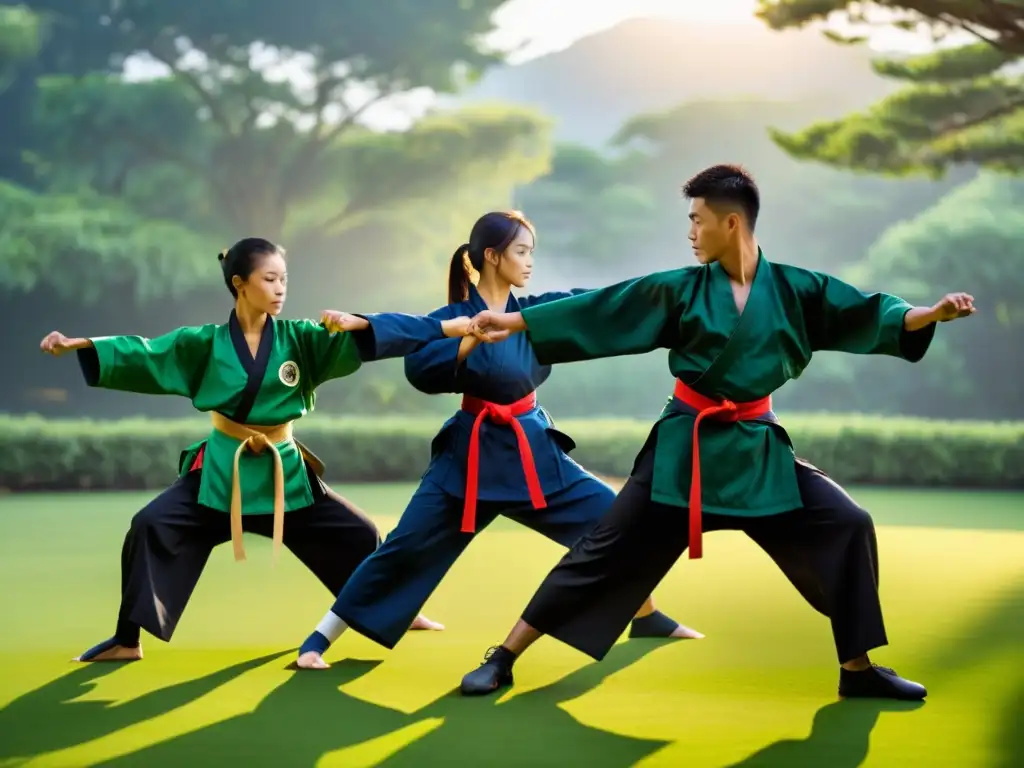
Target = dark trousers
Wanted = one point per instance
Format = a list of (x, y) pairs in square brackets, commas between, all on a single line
[(827, 550), (171, 538), (386, 592)]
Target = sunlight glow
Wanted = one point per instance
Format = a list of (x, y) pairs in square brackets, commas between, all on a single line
[(533, 28), (542, 26)]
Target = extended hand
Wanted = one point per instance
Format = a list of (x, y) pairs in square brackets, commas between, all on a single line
[(492, 326), (56, 343), (953, 306), (334, 321), (457, 327)]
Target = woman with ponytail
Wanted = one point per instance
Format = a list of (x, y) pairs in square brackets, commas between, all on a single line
[(500, 454)]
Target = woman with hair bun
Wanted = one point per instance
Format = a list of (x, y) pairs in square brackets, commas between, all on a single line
[(255, 375)]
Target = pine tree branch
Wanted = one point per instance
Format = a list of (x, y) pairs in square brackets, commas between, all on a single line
[(965, 62), (1000, 42), (961, 124), (996, 22)]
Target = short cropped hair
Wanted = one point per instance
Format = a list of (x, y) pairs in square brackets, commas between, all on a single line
[(727, 187)]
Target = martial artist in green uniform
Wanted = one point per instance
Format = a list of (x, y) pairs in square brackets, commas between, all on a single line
[(255, 375), (737, 328)]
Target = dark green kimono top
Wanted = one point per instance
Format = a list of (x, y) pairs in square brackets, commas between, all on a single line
[(747, 467), (212, 366)]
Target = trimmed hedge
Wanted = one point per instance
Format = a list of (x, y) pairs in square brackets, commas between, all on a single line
[(40, 454)]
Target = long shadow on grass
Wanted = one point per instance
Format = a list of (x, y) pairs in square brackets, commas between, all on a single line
[(308, 717), (997, 635), (840, 736), (48, 718), (294, 725), (1011, 742), (1000, 630), (530, 729), (841, 730)]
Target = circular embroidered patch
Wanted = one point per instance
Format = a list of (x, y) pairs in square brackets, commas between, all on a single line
[(289, 374)]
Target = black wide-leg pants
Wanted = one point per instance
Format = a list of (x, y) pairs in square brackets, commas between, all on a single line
[(827, 549)]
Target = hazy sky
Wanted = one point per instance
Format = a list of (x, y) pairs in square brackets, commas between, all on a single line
[(543, 26), (551, 25)]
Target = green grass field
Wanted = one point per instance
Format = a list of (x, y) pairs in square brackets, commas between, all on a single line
[(759, 691)]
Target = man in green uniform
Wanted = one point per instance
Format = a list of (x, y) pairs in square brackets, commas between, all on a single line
[(737, 328)]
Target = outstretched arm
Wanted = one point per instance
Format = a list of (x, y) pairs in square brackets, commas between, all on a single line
[(952, 306), (544, 298), (842, 318), (171, 364), (630, 318), (338, 345), (435, 368), (393, 334)]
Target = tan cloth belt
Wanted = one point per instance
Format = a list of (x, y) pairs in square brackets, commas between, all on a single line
[(256, 439)]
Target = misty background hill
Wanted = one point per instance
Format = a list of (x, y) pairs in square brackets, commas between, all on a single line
[(642, 65)]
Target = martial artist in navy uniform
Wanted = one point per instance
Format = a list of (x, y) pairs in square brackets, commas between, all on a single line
[(500, 454)]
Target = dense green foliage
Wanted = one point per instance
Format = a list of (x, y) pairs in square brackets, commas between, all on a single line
[(115, 193), (41, 454), (962, 104), (249, 123)]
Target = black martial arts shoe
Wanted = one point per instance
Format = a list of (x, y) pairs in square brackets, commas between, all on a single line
[(493, 674), (134, 651), (877, 682)]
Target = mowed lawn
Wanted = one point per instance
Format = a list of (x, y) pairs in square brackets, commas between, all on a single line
[(759, 691)]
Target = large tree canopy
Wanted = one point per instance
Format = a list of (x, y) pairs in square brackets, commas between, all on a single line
[(277, 85), (255, 125), (963, 104), (135, 129)]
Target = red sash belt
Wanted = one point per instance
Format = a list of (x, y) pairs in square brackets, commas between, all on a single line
[(499, 414), (726, 410)]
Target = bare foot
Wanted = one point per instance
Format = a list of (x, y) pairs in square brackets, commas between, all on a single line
[(421, 622), (311, 660), (113, 653), (686, 633)]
